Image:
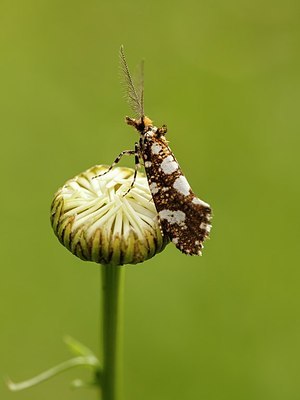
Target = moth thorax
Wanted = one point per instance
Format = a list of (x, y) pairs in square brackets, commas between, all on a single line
[(147, 121)]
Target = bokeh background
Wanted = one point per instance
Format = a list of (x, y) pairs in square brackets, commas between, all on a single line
[(225, 78)]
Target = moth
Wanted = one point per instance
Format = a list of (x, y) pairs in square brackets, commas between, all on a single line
[(184, 218)]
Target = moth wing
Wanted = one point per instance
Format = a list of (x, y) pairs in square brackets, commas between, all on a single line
[(184, 218), (187, 224)]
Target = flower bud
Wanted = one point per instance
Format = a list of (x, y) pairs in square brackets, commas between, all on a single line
[(95, 221)]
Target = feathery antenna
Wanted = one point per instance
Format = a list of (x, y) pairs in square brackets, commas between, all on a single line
[(135, 97)]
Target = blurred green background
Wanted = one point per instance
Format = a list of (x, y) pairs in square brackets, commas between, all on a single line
[(225, 78)]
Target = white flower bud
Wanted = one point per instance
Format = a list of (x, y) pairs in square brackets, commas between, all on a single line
[(95, 221)]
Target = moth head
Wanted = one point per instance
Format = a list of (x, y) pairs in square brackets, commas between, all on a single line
[(142, 124)]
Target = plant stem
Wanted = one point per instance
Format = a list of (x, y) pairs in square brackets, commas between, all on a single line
[(112, 320)]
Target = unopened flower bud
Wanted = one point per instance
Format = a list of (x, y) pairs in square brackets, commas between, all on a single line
[(95, 221)]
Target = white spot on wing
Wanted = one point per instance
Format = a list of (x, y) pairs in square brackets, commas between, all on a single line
[(169, 165), (173, 216), (182, 185), (200, 202), (155, 148), (153, 188), (148, 164), (205, 226)]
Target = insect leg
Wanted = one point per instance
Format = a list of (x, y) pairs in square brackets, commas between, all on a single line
[(137, 165), (117, 160)]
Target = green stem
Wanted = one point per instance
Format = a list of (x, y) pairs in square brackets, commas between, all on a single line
[(112, 313)]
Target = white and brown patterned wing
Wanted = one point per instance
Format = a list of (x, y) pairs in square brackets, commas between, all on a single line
[(184, 217)]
